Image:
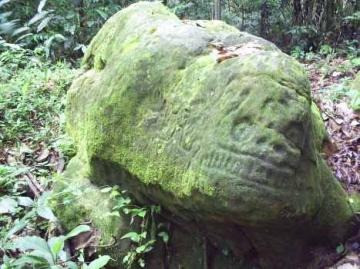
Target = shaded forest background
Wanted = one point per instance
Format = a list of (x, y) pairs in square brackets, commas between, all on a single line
[(63, 28)]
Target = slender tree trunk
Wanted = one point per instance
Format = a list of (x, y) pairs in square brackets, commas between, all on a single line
[(297, 11), (80, 8), (82, 14), (308, 10), (333, 11), (217, 10), (264, 19)]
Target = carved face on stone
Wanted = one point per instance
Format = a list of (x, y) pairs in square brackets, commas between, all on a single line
[(246, 134), (230, 137)]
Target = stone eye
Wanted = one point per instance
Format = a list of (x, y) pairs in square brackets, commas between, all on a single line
[(295, 132)]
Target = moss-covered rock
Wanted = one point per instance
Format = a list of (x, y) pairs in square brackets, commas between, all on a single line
[(215, 125)]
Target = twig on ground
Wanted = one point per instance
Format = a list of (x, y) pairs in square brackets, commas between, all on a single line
[(34, 186)]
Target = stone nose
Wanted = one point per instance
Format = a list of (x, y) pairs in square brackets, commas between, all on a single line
[(278, 110)]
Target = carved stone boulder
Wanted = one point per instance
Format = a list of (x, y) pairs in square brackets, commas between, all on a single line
[(215, 125)]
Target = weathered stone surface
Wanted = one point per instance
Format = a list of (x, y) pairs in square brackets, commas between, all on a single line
[(215, 125)]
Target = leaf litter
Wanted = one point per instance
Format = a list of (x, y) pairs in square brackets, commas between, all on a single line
[(342, 123), (329, 87)]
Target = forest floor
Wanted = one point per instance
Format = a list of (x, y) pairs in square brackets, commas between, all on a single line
[(330, 80), (40, 150), (330, 90)]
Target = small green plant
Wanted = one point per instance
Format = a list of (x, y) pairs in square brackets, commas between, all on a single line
[(146, 232), (354, 96), (311, 57), (298, 53), (353, 18), (18, 211), (25, 222), (43, 253), (9, 185), (343, 92), (50, 254), (352, 49), (337, 92), (355, 62), (326, 50)]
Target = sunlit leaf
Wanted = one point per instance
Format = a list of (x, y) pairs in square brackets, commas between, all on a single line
[(99, 262), (25, 201), (78, 230), (133, 236), (29, 260), (105, 190), (20, 30), (38, 17), (3, 2), (42, 209), (38, 245), (43, 24), (41, 5), (8, 205), (56, 244), (164, 236)]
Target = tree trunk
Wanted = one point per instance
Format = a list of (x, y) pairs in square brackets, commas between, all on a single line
[(333, 11), (297, 11), (217, 10), (264, 19), (308, 11)]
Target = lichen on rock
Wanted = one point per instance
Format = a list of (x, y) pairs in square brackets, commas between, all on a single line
[(215, 125)]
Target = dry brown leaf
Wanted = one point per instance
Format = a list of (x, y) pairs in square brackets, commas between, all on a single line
[(44, 154)]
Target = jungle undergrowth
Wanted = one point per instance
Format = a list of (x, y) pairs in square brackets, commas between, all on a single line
[(33, 147), (147, 229), (34, 150)]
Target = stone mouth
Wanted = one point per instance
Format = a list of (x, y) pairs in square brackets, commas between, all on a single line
[(247, 168)]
